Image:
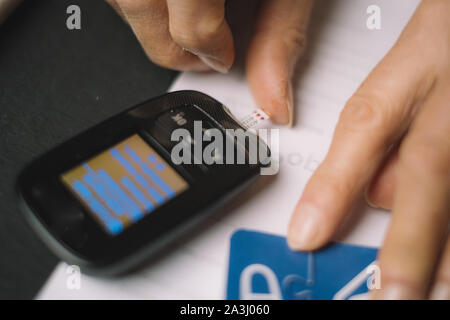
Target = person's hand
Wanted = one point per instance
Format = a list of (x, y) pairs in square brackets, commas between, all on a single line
[(194, 35), (393, 141)]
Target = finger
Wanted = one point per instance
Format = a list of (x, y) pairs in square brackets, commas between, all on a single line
[(421, 209), (372, 120), (380, 192), (277, 44), (150, 23), (200, 27), (441, 287)]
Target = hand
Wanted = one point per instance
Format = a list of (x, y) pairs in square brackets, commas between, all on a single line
[(194, 35), (393, 140)]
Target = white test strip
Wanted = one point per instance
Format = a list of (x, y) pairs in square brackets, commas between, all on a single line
[(249, 118), (255, 120)]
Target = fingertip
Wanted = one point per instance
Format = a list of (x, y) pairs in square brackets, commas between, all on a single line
[(277, 45), (271, 91), (215, 64), (278, 110), (305, 228), (201, 29), (380, 193), (269, 69), (368, 198), (220, 60)]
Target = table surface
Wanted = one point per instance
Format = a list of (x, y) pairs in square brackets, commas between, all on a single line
[(55, 83)]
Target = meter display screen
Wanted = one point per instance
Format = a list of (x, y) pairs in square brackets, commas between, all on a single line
[(124, 183)]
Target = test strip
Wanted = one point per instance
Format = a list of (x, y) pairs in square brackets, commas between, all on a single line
[(256, 119)]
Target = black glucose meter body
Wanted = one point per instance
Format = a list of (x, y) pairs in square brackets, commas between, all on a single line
[(111, 197)]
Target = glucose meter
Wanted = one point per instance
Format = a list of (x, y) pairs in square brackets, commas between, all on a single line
[(113, 196)]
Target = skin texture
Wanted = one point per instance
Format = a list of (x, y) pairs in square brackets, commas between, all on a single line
[(194, 35), (392, 141)]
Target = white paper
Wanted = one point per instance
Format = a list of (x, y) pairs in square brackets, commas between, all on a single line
[(341, 53)]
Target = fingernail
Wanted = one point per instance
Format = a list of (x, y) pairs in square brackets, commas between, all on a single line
[(440, 291), (290, 107), (215, 64), (281, 109), (304, 227), (290, 110), (279, 113), (395, 292), (368, 201)]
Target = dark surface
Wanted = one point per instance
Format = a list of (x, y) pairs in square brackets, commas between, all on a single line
[(55, 83)]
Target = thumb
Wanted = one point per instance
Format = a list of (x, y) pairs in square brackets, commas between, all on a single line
[(277, 45), (199, 26)]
